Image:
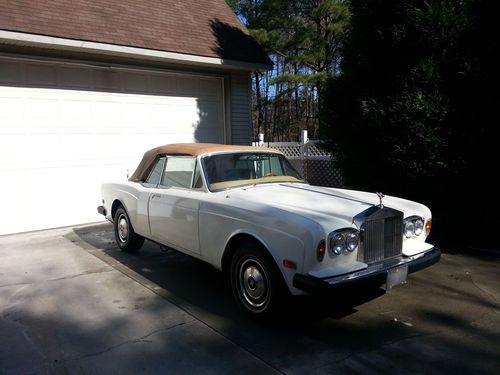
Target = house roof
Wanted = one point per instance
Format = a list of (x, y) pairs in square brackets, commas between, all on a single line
[(190, 149), (207, 28)]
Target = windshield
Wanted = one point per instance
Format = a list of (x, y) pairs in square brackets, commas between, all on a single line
[(224, 171)]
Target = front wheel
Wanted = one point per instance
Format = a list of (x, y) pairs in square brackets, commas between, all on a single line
[(257, 284), (125, 236)]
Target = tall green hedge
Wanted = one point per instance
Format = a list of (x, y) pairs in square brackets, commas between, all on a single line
[(415, 111)]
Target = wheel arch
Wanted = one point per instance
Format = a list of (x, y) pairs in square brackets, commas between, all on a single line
[(234, 242), (116, 204)]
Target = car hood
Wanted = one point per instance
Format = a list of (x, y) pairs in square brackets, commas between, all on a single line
[(320, 203)]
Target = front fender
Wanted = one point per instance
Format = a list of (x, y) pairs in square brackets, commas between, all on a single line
[(284, 239), (281, 246)]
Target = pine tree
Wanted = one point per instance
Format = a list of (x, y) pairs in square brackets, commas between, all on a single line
[(303, 39)]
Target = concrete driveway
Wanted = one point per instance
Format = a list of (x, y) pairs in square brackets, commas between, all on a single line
[(71, 302)]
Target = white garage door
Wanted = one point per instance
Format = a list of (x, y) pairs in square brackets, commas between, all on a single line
[(65, 129)]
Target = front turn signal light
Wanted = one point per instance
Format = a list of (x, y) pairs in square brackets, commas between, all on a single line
[(428, 227), (321, 250)]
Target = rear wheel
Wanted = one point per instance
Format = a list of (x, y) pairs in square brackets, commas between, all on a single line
[(256, 281), (125, 236)]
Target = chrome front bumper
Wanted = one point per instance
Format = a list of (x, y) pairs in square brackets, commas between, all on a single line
[(373, 276)]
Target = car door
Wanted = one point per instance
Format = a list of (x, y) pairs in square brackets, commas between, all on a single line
[(143, 193), (174, 206)]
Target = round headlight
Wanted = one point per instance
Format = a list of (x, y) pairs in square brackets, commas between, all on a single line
[(343, 241), (338, 243), (419, 227), (409, 229), (352, 241)]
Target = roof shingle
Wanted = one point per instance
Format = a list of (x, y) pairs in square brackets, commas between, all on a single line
[(195, 27)]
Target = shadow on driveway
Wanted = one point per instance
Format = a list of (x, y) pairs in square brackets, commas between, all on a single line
[(194, 282), (441, 322)]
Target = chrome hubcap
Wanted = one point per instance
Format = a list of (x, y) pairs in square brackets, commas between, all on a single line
[(253, 283), (122, 228)]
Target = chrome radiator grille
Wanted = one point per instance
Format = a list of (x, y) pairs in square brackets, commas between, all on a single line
[(381, 236)]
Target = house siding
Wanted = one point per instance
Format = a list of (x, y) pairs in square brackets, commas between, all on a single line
[(241, 114)]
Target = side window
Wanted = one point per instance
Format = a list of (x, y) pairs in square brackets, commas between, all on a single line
[(155, 175), (179, 171)]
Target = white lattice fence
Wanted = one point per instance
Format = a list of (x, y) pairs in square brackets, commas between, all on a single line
[(312, 161)]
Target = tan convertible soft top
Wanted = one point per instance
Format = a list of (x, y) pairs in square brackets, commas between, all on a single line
[(190, 149)]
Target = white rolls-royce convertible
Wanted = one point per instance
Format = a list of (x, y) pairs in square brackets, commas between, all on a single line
[(247, 211)]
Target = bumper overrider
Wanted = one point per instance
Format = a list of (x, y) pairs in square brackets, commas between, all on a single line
[(374, 275)]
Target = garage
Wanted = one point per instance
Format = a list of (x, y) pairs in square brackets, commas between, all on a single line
[(87, 87), (67, 127)]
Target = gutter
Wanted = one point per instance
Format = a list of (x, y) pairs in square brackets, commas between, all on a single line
[(49, 42)]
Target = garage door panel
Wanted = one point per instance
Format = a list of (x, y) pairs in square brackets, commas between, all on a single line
[(185, 116), (161, 112), (209, 112), (42, 108), (77, 109), (137, 111), (187, 86), (107, 80), (16, 204), (10, 73), (13, 145), (11, 107), (134, 82), (210, 88), (68, 190), (75, 78), (38, 75), (162, 85), (59, 142), (107, 110), (71, 147)]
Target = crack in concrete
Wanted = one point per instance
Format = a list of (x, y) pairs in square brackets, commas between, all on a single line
[(132, 341), (493, 298), (490, 295), (24, 329), (102, 270), (15, 284)]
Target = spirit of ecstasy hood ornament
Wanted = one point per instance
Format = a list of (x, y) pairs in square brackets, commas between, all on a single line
[(380, 197)]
